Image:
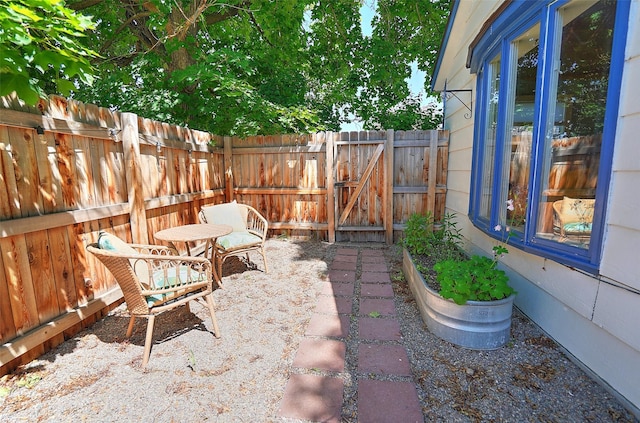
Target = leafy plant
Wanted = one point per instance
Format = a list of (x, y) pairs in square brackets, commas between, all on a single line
[(28, 380), (474, 279), (439, 241)]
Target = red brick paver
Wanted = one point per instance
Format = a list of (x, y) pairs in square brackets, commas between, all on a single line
[(376, 290), (383, 359), (375, 277), (324, 354), (342, 276), (337, 288), (383, 401), (379, 306), (328, 325), (333, 305), (344, 265), (379, 329), (347, 252)]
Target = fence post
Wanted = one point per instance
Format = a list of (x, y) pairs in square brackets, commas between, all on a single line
[(228, 168), (331, 204), (387, 200), (131, 150), (433, 172)]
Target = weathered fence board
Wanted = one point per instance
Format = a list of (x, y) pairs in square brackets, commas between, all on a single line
[(69, 170)]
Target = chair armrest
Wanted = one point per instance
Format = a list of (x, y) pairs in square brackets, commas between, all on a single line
[(256, 223), (201, 217), (155, 249), (170, 273)]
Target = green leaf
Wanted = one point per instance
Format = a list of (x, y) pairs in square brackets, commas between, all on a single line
[(21, 84), (24, 11), (28, 93), (21, 39), (64, 86), (48, 58)]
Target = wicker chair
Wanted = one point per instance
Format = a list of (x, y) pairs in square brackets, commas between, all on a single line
[(155, 279), (249, 231), (572, 218)]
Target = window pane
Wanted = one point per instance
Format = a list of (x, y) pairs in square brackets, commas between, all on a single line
[(575, 122), (520, 124), (493, 73)]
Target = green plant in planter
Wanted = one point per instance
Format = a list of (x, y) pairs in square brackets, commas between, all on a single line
[(476, 278), (440, 241), (461, 278)]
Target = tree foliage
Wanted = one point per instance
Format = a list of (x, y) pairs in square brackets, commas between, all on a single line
[(243, 67), (41, 49), (404, 32)]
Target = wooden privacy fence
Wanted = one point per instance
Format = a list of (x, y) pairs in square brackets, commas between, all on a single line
[(69, 170)]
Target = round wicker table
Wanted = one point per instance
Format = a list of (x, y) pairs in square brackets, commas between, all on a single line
[(193, 233)]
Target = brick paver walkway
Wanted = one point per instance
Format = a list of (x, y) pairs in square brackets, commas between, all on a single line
[(353, 304)]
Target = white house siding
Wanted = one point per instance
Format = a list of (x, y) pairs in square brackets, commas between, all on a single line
[(618, 310), (597, 322)]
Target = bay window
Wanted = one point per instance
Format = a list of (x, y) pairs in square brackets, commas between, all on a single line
[(548, 78)]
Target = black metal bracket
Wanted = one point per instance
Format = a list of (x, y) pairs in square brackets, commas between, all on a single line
[(447, 94)]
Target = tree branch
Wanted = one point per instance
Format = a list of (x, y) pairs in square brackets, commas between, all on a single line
[(259, 28), (121, 28), (231, 12), (81, 5)]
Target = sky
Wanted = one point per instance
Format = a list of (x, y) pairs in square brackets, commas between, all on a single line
[(416, 82)]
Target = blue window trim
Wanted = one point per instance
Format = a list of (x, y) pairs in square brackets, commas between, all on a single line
[(516, 17), (512, 18)]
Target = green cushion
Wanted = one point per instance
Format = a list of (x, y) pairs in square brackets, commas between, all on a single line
[(175, 276), (109, 242), (577, 228), (225, 214), (238, 239)]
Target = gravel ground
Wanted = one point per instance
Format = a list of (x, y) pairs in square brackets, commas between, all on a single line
[(194, 377)]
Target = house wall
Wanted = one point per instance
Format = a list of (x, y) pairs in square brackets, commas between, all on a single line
[(595, 319)]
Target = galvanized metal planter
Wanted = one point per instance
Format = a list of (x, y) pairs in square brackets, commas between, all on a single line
[(478, 325)]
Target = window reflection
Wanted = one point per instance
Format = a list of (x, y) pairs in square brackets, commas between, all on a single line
[(521, 122), (490, 137), (575, 123)]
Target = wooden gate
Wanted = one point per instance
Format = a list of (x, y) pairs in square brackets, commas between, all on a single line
[(363, 186), (380, 178)]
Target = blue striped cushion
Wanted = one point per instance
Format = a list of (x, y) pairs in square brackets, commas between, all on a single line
[(173, 279), (577, 228), (238, 239)]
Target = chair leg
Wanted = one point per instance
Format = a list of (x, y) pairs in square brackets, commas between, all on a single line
[(130, 328), (148, 340), (211, 304), (264, 259), (219, 260)]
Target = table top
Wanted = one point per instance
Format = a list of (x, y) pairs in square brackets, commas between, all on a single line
[(194, 232)]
